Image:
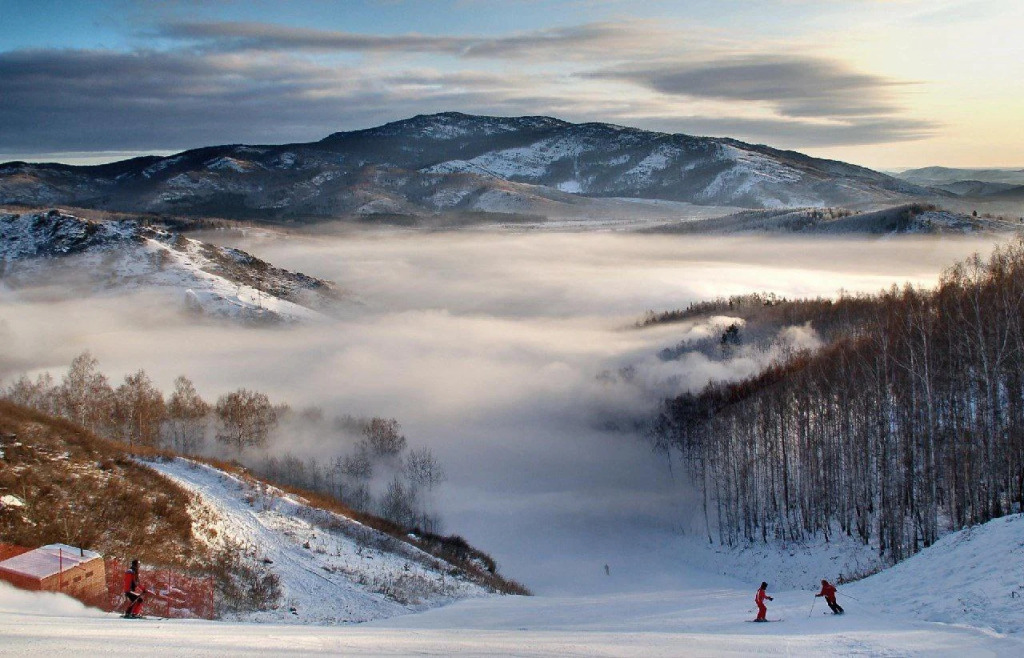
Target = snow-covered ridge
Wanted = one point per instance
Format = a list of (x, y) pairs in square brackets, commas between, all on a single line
[(56, 234), (113, 256), (231, 164), (331, 568), (453, 125)]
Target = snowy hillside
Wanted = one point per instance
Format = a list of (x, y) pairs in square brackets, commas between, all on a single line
[(973, 577), (97, 256), (331, 569), (456, 163)]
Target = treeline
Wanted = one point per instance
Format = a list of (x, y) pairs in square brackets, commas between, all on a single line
[(756, 320), (704, 308), (909, 423), (376, 472)]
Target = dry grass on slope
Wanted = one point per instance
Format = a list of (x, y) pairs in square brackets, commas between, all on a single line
[(80, 489), (84, 490)]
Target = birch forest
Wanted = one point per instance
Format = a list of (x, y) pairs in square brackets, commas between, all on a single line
[(908, 422)]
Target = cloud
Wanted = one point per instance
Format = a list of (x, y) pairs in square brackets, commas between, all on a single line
[(489, 350), (795, 133), (813, 101), (102, 100), (260, 83), (799, 86), (571, 42)]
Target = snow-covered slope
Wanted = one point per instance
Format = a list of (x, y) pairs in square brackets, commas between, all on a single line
[(36, 248), (959, 598), (701, 616), (973, 577), (331, 568)]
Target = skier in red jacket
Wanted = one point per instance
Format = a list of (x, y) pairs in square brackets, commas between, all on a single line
[(133, 591), (828, 590), (759, 598)]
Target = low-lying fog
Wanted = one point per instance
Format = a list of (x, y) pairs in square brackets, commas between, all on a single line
[(488, 349)]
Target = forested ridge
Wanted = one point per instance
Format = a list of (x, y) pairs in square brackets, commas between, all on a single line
[(907, 423)]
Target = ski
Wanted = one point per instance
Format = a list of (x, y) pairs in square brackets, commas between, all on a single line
[(754, 621), (149, 617)]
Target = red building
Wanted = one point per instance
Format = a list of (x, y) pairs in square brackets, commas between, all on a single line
[(58, 568)]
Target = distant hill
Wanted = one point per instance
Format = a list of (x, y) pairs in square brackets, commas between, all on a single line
[(976, 188), (125, 255), (455, 163), (1011, 194), (907, 218), (941, 176)]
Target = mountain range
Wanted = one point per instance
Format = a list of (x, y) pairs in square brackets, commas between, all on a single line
[(997, 184), (455, 163)]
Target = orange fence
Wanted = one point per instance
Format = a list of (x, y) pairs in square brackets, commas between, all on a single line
[(171, 594)]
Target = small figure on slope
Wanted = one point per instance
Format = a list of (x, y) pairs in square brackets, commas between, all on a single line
[(828, 590), (133, 591), (759, 598)]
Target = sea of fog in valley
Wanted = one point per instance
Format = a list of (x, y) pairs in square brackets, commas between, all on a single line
[(501, 352)]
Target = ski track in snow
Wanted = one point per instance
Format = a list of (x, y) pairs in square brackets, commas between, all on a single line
[(313, 563), (696, 622)]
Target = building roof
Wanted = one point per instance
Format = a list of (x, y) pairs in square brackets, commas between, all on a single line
[(48, 560)]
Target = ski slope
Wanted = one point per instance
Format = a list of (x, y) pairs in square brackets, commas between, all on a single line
[(964, 596), (702, 621)]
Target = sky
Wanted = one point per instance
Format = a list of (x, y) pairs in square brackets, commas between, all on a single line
[(882, 83)]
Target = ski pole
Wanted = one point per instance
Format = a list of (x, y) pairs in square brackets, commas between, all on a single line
[(813, 601), (848, 596)]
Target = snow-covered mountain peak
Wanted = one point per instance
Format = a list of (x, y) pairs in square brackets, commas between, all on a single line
[(452, 125)]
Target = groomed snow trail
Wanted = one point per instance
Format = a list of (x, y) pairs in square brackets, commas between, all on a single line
[(698, 622)]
